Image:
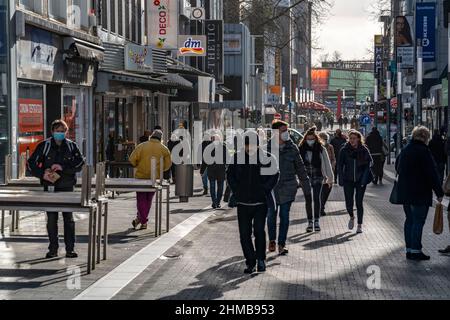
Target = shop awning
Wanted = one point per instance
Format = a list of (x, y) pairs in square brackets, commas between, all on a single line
[(176, 81), (76, 48), (270, 110), (220, 89), (315, 106), (176, 66)]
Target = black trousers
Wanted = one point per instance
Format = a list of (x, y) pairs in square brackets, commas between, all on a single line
[(316, 199), (326, 190), (69, 228), (353, 191), (252, 217)]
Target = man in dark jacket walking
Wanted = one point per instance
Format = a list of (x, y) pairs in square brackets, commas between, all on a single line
[(437, 148), (252, 187), (337, 142), (417, 179), (375, 144), (291, 166), (55, 162)]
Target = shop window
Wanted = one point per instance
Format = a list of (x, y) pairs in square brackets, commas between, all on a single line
[(57, 9), (120, 5), (32, 5), (104, 14), (31, 116), (112, 14), (75, 115)]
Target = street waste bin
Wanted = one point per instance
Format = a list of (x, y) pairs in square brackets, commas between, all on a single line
[(184, 186)]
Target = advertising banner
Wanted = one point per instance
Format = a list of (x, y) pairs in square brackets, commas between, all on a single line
[(378, 59), (191, 46), (425, 29), (162, 18), (214, 52), (232, 43), (404, 40)]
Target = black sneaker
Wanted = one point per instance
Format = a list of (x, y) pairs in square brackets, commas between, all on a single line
[(261, 266), (205, 191), (51, 254), (249, 269), (419, 256), (71, 254), (218, 206), (408, 255)]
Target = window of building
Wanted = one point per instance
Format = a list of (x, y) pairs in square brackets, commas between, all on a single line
[(79, 13), (57, 9), (112, 5), (127, 19), (139, 21), (133, 21), (120, 5), (104, 15), (32, 5)]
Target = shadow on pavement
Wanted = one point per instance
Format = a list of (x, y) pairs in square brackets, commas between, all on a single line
[(338, 239)]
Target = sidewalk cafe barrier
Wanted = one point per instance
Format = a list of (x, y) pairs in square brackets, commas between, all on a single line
[(82, 202)]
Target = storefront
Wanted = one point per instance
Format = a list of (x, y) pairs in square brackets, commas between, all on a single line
[(55, 75)]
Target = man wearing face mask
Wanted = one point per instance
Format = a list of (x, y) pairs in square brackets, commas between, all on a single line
[(291, 166), (55, 162)]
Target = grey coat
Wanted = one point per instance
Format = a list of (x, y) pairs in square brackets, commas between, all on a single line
[(291, 166)]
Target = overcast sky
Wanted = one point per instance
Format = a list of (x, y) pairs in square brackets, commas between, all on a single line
[(349, 29)]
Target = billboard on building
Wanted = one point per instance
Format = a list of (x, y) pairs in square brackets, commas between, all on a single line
[(378, 59), (320, 80), (425, 29), (404, 40), (162, 19), (214, 53), (232, 43), (138, 58)]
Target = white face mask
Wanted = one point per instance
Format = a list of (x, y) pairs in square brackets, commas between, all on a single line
[(310, 142), (285, 136)]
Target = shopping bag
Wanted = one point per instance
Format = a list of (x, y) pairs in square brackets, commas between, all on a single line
[(438, 225), (394, 197)]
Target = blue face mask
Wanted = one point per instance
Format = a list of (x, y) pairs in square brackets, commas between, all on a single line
[(59, 136)]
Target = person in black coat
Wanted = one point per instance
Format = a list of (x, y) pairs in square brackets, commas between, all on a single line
[(354, 167), (437, 147), (337, 142), (375, 144), (252, 184), (417, 179), (56, 162), (215, 169), (174, 141)]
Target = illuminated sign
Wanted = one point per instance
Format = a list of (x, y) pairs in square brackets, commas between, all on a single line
[(192, 46)]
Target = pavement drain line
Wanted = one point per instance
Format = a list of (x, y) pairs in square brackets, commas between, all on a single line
[(116, 280)]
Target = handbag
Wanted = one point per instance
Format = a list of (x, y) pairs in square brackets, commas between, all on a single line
[(394, 197), (438, 224)]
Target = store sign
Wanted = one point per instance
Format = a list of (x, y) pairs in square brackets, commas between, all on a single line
[(31, 123), (214, 54), (425, 29), (407, 57), (75, 70), (232, 43), (192, 46), (162, 17), (378, 65), (138, 58)]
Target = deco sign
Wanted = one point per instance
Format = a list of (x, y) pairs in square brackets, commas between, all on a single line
[(192, 46)]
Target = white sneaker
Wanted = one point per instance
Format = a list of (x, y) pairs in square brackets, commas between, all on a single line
[(359, 229), (351, 223)]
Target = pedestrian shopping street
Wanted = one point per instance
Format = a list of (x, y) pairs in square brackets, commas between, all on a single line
[(201, 257)]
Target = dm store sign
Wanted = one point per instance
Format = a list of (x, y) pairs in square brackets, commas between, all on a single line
[(191, 46)]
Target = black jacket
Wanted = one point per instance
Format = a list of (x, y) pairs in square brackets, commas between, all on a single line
[(337, 143), (67, 155), (375, 143), (216, 170), (437, 148), (417, 175), (354, 165), (249, 184)]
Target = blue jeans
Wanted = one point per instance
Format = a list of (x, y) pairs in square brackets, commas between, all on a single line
[(415, 220), (205, 179), (216, 197), (284, 210)]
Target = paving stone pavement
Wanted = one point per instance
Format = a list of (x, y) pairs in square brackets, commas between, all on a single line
[(333, 264), (25, 275)]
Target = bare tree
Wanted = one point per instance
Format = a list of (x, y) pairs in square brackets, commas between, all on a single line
[(380, 8), (336, 56)]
